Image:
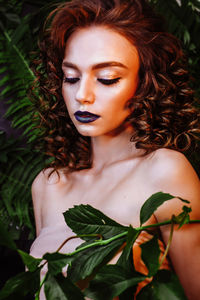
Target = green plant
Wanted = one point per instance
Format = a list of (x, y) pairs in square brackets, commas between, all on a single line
[(20, 161), (183, 20), (19, 166), (103, 237)]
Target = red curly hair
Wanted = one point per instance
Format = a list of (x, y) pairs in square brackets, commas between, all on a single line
[(162, 112)]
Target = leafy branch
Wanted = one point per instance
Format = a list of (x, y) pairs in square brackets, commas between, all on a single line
[(103, 238)]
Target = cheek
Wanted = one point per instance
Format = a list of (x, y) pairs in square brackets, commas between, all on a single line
[(115, 111), (67, 98), (117, 102)]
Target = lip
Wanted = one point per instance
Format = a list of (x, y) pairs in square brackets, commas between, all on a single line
[(85, 116)]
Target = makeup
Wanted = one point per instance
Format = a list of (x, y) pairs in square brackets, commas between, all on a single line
[(85, 116)]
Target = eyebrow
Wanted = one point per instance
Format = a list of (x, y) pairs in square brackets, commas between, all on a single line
[(97, 66)]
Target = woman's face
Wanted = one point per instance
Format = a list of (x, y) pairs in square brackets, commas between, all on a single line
[(100, 69)]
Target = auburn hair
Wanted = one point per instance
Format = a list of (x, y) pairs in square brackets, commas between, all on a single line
[(162, 112)]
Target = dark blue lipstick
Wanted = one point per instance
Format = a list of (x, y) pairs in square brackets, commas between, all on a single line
[(85, 116)]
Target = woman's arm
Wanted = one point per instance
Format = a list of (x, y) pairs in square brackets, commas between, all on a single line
[(37, 189), (173, 174), (45, 186)]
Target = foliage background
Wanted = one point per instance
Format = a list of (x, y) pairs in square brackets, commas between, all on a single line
[(20, 23)]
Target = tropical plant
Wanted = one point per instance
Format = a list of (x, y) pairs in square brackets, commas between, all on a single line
[(20, 161), (15, 180), (183, 20), (103, 238)]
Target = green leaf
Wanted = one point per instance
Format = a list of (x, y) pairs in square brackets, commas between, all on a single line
[(57, 261), (14, 108), (84, 219), (87, 261), (15, 181), (183, 218), (110, 282), (61, 288), (5, 239), (22, 284), (186, 37), (164, 286), (31, 262), (152, 203), (12, 17), (131, 237), (150, 255), (21, 29)]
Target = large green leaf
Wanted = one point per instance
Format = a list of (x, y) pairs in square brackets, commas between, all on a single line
[(152, 203), (88, 261), (56, 261), (22, 284), (164, 286), (110, 282), (131, 237), (84, 219), (150, 255), (87, 221), (61, 288), (31, 262)]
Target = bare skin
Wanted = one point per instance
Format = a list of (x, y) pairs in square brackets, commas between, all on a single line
[(120, 179)]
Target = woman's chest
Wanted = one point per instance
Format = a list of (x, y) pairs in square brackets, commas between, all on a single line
[(119, 197)]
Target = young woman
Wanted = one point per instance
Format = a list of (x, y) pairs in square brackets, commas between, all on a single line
[(117, 113)]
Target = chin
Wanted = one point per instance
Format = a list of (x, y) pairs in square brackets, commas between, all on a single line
[(87, 131)]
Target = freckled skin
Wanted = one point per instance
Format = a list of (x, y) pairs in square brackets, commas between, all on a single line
[(120, 179)]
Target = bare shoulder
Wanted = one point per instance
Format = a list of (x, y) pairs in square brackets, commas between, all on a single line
[(46, 179), (171, 172), (45, 185), (170, 165)]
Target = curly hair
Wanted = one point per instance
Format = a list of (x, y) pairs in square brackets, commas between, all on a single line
[(162, 112)]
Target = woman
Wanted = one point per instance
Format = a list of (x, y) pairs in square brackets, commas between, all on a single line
[(117, 113)]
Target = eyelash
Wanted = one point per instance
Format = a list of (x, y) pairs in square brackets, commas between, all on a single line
[(73, 80), (109, 81)]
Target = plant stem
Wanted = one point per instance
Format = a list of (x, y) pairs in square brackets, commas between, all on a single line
[(41, 284), (161, 224), (102, 242), (153, 225), (74, 237), (98, 243), (105, 242), (168, 244), (78, 236)]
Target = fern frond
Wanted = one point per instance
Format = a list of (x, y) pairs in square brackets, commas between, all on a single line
[(17, 171)]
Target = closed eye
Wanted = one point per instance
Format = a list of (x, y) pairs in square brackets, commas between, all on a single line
[(71, 80), (109, 81)]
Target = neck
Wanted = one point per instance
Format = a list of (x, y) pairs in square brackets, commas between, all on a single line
[(110, 149)]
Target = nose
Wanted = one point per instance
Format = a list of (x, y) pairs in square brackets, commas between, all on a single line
[(85, 92)]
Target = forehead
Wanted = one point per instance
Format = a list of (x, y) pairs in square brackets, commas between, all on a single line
[(96, 44)]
